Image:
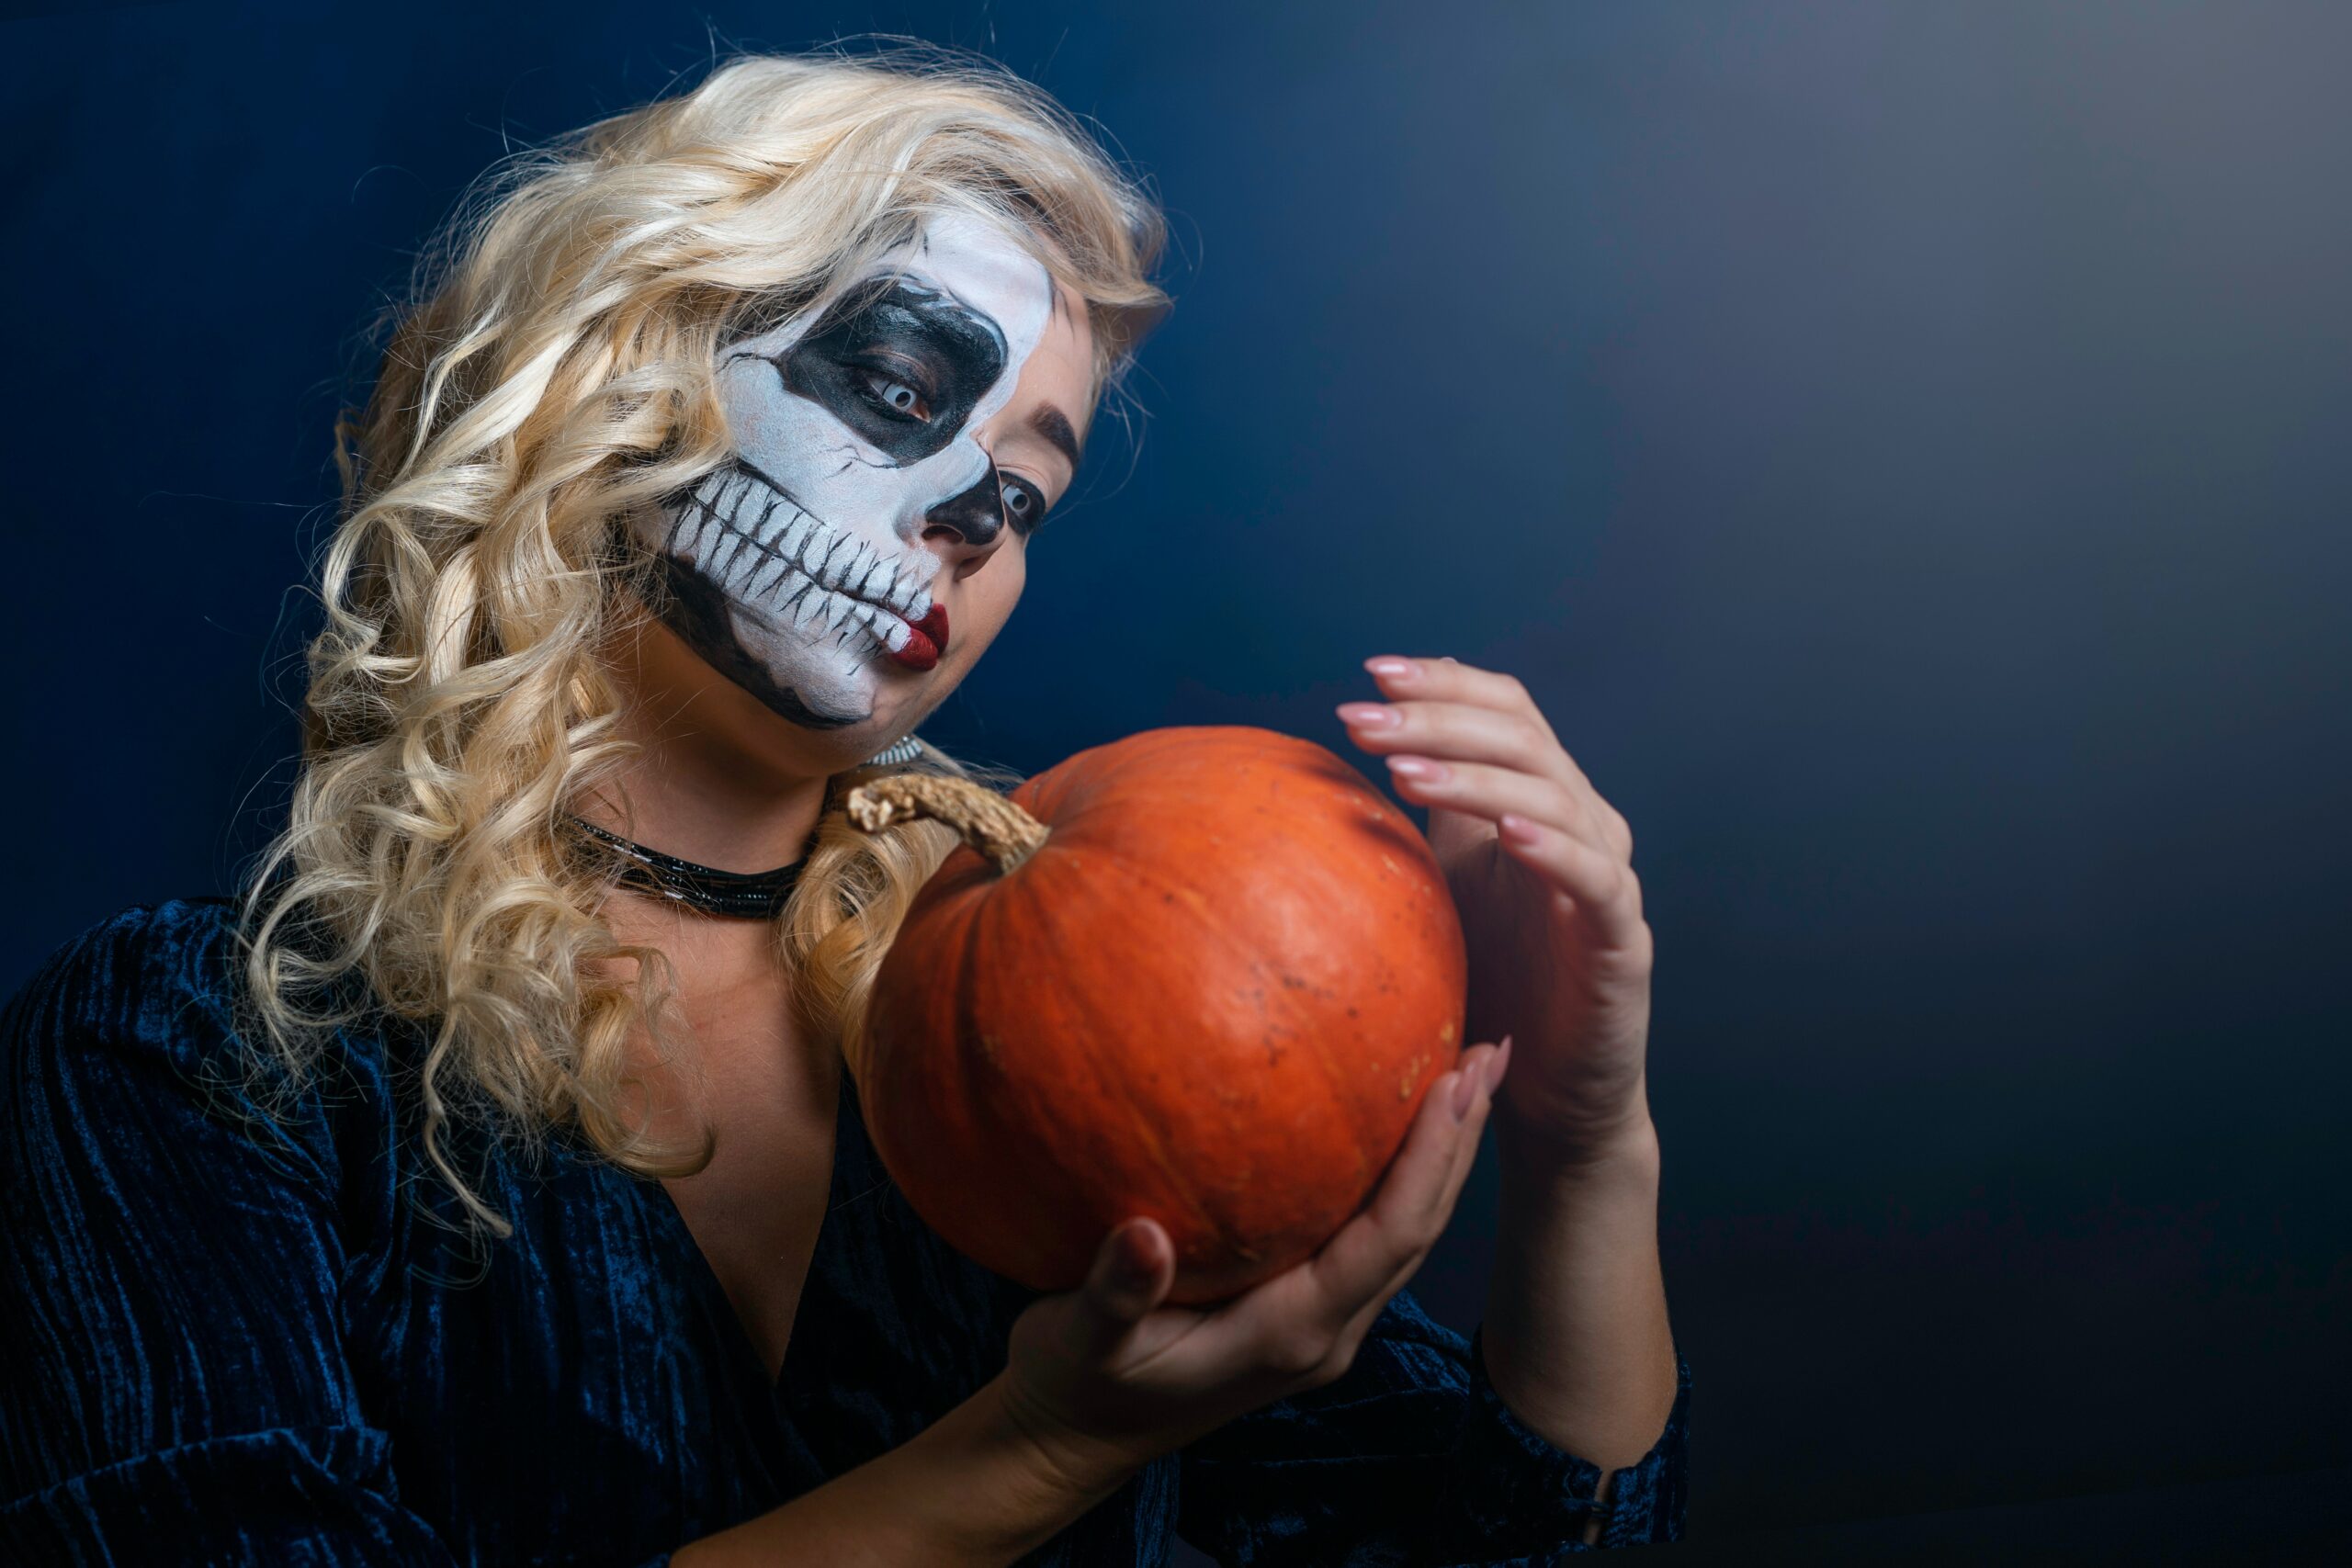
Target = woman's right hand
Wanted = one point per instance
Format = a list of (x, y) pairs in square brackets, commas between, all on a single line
[(1104, 1379)]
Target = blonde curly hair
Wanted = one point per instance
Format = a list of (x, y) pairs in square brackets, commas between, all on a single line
[(550, 377)]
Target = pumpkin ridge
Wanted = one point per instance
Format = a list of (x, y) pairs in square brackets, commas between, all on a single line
[(1008, 1098), (1332, 1075), (1045, 1166), (1112, 1084)]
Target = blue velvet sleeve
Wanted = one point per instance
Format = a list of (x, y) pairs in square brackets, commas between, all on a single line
[(1412, 1457), (173, 1385)]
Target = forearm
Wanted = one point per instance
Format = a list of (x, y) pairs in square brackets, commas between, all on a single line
[(1576, 1334), (973, 1490)]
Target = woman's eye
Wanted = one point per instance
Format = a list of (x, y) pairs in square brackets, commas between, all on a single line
[(1023, 507), (897, 396)]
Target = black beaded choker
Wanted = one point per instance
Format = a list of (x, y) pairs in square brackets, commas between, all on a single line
[(739, 894)]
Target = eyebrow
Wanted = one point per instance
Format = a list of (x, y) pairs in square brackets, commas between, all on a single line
[(1053, 425)]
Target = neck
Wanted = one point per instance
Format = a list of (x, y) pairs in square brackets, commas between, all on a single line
[(701, 802), (696, 791), (686, 803)]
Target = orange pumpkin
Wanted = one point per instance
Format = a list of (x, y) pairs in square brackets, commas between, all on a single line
[(1204, 974)]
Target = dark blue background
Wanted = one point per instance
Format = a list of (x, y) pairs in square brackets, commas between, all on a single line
[(1905, 449)]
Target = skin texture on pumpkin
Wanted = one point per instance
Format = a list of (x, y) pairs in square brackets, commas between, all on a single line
[(1214, 996)]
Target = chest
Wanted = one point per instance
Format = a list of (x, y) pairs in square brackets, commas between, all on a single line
[(744, 1077), (754, 1214), (592, 1341), (597, 1340), (769, 1103)]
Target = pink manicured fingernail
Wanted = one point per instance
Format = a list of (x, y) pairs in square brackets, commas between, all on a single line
[(1420, 768), (1465, 1093), (1519, 829), (1390, 667), (1498, 1066), (1371, 716)]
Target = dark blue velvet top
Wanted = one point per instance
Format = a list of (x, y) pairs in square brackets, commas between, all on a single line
[(227, 1338)]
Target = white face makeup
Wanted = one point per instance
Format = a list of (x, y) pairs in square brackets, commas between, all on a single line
[(798, 570)]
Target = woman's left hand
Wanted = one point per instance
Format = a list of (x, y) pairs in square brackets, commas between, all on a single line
[(1541, 871)]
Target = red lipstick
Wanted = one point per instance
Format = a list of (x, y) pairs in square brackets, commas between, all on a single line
[(928, 641)]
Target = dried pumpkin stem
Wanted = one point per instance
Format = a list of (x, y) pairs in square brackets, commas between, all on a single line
[(990, 823)]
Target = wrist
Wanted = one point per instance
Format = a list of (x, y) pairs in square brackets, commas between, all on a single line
[(1549, 1151), (1045, 1452), (977, 1488), (1576, 1339)]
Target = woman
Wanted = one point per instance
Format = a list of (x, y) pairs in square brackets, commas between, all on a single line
[(490, 1185)]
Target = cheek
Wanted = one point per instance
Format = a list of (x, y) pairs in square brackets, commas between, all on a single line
[(767, 419), (991, 594)]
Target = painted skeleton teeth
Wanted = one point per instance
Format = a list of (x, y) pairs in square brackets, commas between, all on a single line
[(836, 572), (732, 507), (772, 575), (779, 527), (878, 623), (795, 542), (690, 532), (741, 529), (818, 580)]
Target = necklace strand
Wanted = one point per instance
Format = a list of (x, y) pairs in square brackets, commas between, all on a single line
[(737, 895)]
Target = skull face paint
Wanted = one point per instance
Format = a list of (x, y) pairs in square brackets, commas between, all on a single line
[(797, 569)]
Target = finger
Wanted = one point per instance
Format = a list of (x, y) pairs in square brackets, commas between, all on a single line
[(1457, 732), (1296, 1317), (1606, 892), (1448, 733), (1359, 1324), (1486, 791), (1400, 678), (1133, 1271), (1449, 680), (1409, 1208)]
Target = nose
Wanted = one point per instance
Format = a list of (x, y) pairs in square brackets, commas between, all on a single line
[(976, 517)]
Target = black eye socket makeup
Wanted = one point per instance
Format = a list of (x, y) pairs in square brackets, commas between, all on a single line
[(903, 367)]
